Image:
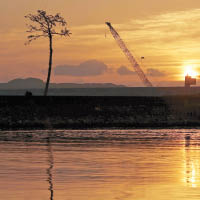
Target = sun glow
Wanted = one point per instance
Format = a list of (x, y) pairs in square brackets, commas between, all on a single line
[(190, 71)]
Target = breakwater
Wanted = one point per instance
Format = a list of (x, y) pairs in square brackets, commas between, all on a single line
[(115, 91), (73, 112)]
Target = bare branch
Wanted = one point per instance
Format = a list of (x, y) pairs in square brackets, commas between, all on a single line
[(63, 32), (34, 37)]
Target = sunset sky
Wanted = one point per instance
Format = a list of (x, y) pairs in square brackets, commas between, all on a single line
[(166, 33)]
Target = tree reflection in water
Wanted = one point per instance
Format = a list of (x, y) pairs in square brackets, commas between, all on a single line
[(51, 165)]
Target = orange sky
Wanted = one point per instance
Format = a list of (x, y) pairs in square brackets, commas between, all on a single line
[(166, 33)]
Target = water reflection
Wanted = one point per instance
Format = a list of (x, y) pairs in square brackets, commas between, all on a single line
[(192, 164), (103, 164), (51, 165), (187, 140)]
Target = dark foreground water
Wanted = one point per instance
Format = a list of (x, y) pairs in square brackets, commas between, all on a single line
[(100, 165)]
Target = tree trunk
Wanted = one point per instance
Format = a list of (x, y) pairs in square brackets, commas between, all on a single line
[(50, 65)]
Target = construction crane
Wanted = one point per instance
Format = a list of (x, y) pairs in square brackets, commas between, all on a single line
[(130, 57)]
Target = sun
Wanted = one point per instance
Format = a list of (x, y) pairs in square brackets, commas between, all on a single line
[(190, 71)]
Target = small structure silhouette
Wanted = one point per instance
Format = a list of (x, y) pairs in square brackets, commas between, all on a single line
[(189, 81), (28, 94)]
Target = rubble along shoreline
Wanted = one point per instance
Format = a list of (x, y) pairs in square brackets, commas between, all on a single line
[(90, 112)]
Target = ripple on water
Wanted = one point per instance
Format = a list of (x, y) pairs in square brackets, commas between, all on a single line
[(100, 164)]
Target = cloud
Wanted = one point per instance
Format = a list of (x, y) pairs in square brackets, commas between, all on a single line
[(87, 68), (154, 72), (125, 71)]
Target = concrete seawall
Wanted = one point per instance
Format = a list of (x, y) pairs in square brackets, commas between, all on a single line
[(20, 112), (125, 91)]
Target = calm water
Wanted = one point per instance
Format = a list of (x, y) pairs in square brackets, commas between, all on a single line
[(100, 165)]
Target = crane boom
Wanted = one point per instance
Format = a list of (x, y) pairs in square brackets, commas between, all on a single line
[(130, 57)]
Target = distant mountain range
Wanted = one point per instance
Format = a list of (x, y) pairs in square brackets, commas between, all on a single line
[(34, 83), (18, 87)]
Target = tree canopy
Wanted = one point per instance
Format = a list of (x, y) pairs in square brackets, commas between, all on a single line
[(46, 26)]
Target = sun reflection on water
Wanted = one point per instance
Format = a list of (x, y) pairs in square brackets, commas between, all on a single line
[(192, 164)]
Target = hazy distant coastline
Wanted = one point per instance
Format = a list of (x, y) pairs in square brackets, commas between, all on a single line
[(18, 87), (35, 83)]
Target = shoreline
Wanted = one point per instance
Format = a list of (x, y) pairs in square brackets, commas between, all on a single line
[(172, 127), (92, 136), (104, 128)]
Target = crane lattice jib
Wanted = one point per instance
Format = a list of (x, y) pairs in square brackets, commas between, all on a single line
[(130, 57)]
